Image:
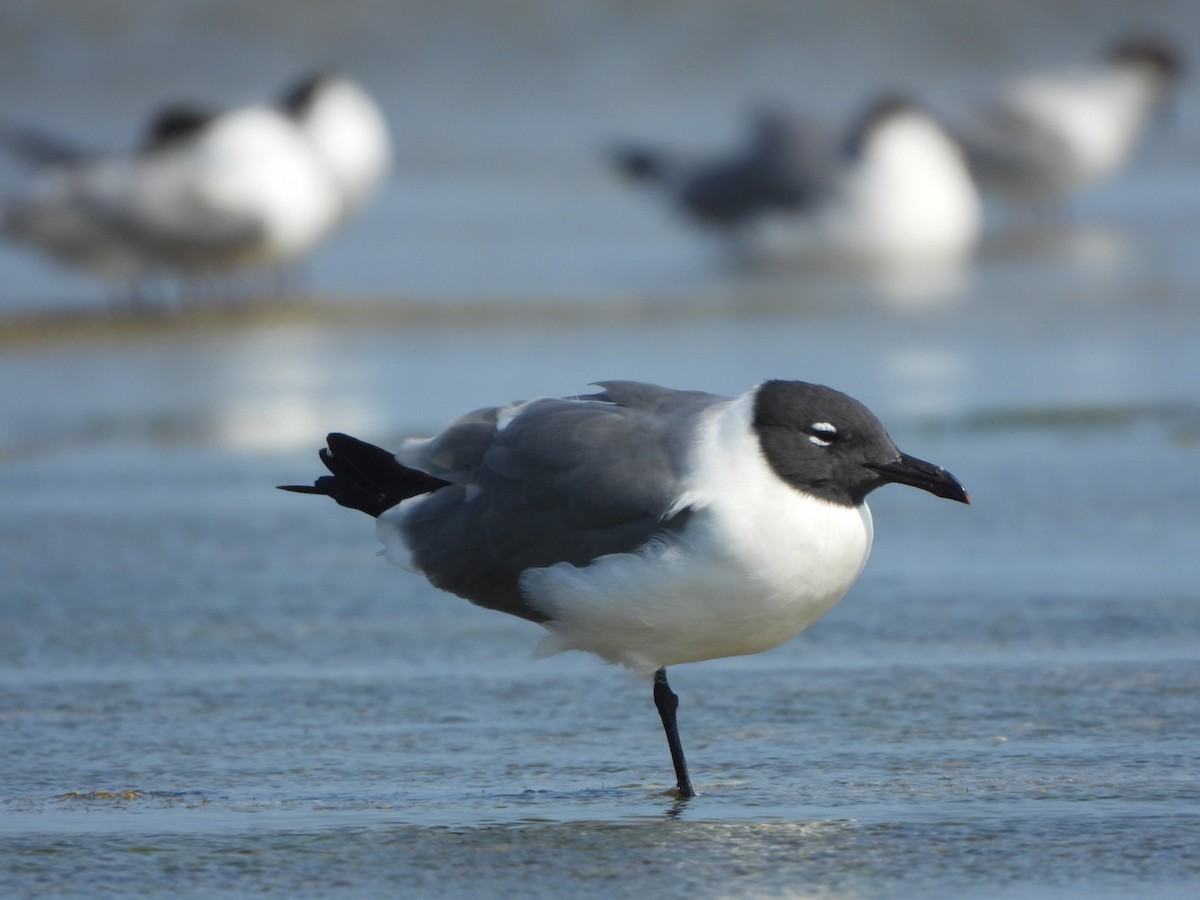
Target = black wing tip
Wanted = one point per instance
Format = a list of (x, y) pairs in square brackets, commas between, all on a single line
[(337, 441), (365, 477), (299, 488)]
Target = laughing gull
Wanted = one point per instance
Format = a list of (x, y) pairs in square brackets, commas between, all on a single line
[(648, 526), (900, 190), (894, 187), (206, 193), (1047, 135)]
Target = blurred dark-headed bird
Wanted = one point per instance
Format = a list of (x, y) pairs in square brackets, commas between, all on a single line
[(1047, 135), (894, 187), (220, 192), (648, 526), (207, 193)]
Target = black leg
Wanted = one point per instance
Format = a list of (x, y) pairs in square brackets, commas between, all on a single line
[(667, 702)]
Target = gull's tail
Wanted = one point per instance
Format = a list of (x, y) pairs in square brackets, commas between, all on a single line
[(638, 163), (365, 477), (36, 148)]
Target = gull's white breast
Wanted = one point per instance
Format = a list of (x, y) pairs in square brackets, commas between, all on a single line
[(256, 164), (350, 134), (757, 563), (912, 196)]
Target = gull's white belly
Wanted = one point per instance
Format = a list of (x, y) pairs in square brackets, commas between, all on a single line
[(756, 564), (707, 597)]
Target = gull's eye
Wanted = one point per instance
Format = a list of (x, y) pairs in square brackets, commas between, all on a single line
[(821, 433)]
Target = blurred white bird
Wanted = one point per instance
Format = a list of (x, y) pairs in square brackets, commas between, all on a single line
[(207, 194), (1047, 135), (348, 131), (895, 187), (900, 190)]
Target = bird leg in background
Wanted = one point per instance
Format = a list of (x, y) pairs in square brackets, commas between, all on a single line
[(667, 702)]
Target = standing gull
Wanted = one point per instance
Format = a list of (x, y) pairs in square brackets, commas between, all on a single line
[(1049, 134), (894, 187), (207, 193), (646, 525)]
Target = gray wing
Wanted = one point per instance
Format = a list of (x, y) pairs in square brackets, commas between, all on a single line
[(1010, 148), (777, 171), (560, 481), (58, 215), (780, 167)]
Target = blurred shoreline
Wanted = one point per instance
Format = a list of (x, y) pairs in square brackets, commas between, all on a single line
[(502, 115), (27, 330)]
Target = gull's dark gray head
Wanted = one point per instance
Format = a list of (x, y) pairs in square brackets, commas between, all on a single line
[(298, 99), (1155, 53), (827, 444), (176, 124), (882, 111)]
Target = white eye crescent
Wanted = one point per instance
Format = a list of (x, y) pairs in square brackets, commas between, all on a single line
[(822, 433)]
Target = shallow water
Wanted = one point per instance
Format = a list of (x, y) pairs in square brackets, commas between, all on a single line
[(208, 683), (209, 686)]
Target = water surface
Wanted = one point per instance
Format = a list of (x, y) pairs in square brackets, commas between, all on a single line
[(210, 686)]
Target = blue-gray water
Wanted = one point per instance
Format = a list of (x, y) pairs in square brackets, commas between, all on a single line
[(210, 687)]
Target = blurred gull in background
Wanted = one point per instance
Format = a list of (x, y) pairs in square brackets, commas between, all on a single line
[(221, 192), (65, 210), (206, 194), (900, 190), (1047, 135), (894, 189)]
